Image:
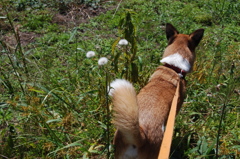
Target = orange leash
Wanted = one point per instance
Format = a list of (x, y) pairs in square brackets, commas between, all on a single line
[(167, 138)]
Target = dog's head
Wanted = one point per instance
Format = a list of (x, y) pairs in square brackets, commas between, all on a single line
[(180, 51)]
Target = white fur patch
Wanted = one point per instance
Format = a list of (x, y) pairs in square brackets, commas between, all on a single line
[(131, 152), (119, 83), (178, 61)]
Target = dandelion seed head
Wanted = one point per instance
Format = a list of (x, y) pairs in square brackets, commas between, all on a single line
[(90, 54), (102, 61), (123, 42)]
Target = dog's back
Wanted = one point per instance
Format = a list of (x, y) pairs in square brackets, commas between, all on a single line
[(141, 119)]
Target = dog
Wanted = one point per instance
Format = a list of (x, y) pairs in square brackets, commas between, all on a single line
[(140, 119)]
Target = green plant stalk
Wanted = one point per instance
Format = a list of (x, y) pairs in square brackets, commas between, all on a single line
[(14, 69), (16, 34), (218, 55), (223, 112), (219, 128), (74, 37), (127, 64), (7, 83)]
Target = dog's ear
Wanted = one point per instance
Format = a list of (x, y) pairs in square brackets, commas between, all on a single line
[(196, 36), (170, 31)]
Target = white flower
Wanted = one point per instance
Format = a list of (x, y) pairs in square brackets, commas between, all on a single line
[(90, 54), (123, 42), (102, 61)]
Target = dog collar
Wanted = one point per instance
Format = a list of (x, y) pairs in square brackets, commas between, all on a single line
[(179, 71)]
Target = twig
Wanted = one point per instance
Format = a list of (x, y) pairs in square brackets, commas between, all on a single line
[(117, 8), (3, 156)]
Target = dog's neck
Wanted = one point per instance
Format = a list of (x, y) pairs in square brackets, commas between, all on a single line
[(179, 71), (176, 62)]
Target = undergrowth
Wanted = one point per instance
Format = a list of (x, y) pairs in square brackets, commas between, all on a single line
[(54, 100)]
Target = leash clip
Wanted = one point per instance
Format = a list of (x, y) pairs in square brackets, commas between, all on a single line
[(181, 74)]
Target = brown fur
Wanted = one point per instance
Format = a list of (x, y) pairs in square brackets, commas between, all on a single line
[(140, 118)]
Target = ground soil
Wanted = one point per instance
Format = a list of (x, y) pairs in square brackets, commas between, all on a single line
[(67, 17)]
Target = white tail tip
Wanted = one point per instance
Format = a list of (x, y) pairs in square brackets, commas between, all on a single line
[(118, 83)]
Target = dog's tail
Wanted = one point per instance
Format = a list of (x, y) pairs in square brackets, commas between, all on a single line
[(125, 110)]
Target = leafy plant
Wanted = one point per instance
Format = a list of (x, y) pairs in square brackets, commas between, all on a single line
[(127, 29)]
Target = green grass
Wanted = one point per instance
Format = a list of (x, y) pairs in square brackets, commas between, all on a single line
[(54, 102)]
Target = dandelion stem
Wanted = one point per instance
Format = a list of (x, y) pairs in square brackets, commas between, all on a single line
[(108, 115)]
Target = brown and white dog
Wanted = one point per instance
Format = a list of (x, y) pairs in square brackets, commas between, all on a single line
[(140, 119)]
